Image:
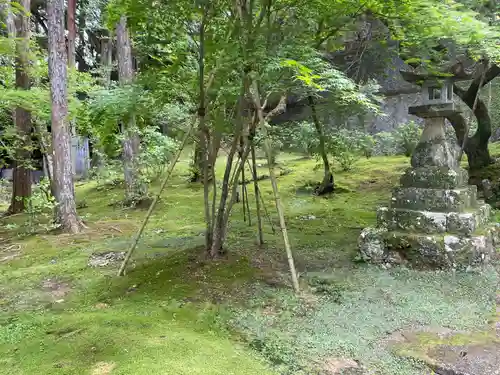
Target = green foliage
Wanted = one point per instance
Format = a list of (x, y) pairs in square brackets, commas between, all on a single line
[(156, 152), (385, 144), (278, 141), (327, 287), (40, 209), (401, 141), (299, 137), (108, 175), (407, 136), (355, 324), (348, 146)]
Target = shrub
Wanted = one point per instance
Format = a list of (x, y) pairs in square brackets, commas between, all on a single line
[(301, 137), (385, 144), (407, 136), (402, 141), (157, 151), (277, 143), (348, 146), (108, 174), (40, 208)]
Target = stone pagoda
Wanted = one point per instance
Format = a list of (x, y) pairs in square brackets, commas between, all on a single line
[(434, 219)]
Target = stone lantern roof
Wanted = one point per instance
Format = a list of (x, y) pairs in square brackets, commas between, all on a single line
[(436, 92)]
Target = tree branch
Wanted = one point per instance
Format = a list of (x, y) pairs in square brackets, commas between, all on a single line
[(40, 21), (477, 83)]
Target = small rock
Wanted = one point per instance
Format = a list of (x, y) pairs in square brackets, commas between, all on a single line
[(307, 217), (133, 288), (105, 259), (371, 244)]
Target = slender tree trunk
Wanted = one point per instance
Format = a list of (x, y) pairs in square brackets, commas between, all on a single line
[(135, 190), (327, 185), (244, 192), (61, 139), (219, 230), (71, 25), (234, 182), (254, 92), (21, 185), (256, 191), (8, 17), (47, 154), (204, 133), (106, 59)]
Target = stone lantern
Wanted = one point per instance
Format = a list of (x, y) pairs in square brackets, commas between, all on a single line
[(434, 219)]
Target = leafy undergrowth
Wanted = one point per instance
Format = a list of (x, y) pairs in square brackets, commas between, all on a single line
[(355, 310), (177, 313)]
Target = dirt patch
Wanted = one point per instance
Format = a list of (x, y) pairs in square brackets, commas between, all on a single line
[(10, 252), (103, 368), (467, 359), (336, 366), (411, 334), (56, 289), (449, 352), (95, 231)]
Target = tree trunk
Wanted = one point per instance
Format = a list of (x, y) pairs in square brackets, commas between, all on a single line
[(46, 148), (106, 60), (327, 185), (61, 139), (82, 64), (218, 226), (255, 94), (97, 159), (476, 147), (21, 185), (256, 190), (8, 17), (135, 189), (197, 164), (71, 25)]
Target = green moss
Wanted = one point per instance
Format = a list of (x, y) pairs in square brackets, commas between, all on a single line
[(170, 313)]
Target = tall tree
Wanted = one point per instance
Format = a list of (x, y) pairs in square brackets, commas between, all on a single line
[(71, 26), (61, 139), (134, 189), (21, 188)]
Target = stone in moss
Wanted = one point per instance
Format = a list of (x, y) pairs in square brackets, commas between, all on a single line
[(372, 246)]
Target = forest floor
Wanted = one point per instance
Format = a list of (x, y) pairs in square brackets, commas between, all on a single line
[(176, 313)]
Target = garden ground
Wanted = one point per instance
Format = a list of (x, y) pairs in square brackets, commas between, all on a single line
[(177, 313)]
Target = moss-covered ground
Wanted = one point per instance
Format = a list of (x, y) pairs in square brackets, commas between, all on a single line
[(177, 313)]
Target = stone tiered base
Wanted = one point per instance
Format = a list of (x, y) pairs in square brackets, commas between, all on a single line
[(434, 220)]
